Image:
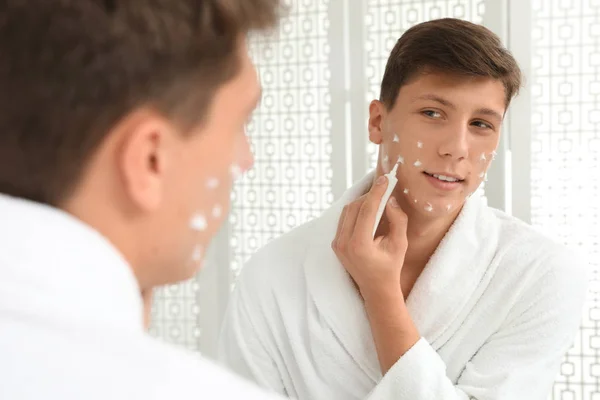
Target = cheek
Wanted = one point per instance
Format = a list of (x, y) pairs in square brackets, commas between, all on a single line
[(482, 160), (214, 190)]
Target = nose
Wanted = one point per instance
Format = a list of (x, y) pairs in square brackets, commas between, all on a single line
[(455, 142)]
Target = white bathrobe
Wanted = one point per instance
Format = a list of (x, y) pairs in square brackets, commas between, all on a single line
[(497, 306), (71, 320)]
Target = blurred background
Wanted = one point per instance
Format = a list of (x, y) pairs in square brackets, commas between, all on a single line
[(319, 72)]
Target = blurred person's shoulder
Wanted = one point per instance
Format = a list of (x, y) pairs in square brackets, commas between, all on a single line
[(171, 372)]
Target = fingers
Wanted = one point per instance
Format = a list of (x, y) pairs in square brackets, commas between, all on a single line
[(398, 222), (334, 244), (368, 210), (347, 232)]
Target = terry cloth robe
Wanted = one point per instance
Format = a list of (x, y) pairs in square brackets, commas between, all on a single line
[(71, 324), (497, 306)]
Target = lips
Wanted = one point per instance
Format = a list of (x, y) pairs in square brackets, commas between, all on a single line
[(445, 177), (443, 182)]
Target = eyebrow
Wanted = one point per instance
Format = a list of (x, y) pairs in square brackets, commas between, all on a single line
[(447, 103)]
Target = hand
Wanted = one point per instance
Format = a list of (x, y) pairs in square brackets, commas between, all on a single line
[(375, 265)]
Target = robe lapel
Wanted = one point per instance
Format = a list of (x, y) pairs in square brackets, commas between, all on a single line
[(442, 294), (338, 306), (458, 270)]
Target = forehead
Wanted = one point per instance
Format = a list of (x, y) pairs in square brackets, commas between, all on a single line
[(461, 90)]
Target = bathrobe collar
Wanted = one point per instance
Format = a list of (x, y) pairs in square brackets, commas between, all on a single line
[(437, 301), (54, 265)]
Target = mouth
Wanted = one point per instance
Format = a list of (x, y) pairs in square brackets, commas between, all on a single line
[(445, 177)]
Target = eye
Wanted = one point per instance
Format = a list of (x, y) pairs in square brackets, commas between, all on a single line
[(483, 125), (432, 114)]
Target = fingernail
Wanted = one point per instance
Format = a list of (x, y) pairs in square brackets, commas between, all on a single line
[(380, 180), (394, 202)]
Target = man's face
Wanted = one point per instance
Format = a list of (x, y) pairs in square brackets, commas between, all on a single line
[(204, 168), (443, 130)]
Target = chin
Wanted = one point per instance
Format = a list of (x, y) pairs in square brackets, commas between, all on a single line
[(437, 207), (183, 273)]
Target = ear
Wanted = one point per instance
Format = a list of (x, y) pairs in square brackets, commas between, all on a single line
[(376, 118), (144, 157)]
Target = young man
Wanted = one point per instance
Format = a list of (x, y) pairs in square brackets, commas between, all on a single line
[(452, 299), (121, 125)]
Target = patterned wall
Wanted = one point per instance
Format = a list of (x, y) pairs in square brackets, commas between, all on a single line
[(565, 148), (175, 314)]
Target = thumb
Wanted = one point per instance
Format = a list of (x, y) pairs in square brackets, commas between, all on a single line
[(398, 221)]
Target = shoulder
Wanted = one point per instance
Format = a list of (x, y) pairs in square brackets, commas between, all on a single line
[(529, 254), (188, 375), (278, 262)]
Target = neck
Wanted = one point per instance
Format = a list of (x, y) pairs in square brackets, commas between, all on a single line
[(424, 233)]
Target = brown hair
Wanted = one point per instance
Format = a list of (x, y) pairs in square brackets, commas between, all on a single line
[(71, 69), (448, 45)]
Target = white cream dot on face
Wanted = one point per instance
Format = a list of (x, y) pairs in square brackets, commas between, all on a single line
[(197, 254), (420, 145), (418, 163), (396, 138), (415, 200), (236, 171), (482, 157), (405, 191), (212, 183), (198, 223), (217, 211), (400, 160), (428, 207), (449, 207), (482, 174), (493, 154)]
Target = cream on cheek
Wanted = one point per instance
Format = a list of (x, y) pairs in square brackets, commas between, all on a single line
[(482, 166), (199, 222), (401, 161)]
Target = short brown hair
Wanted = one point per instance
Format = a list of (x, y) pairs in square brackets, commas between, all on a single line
[(71, 69), (449, 45)]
